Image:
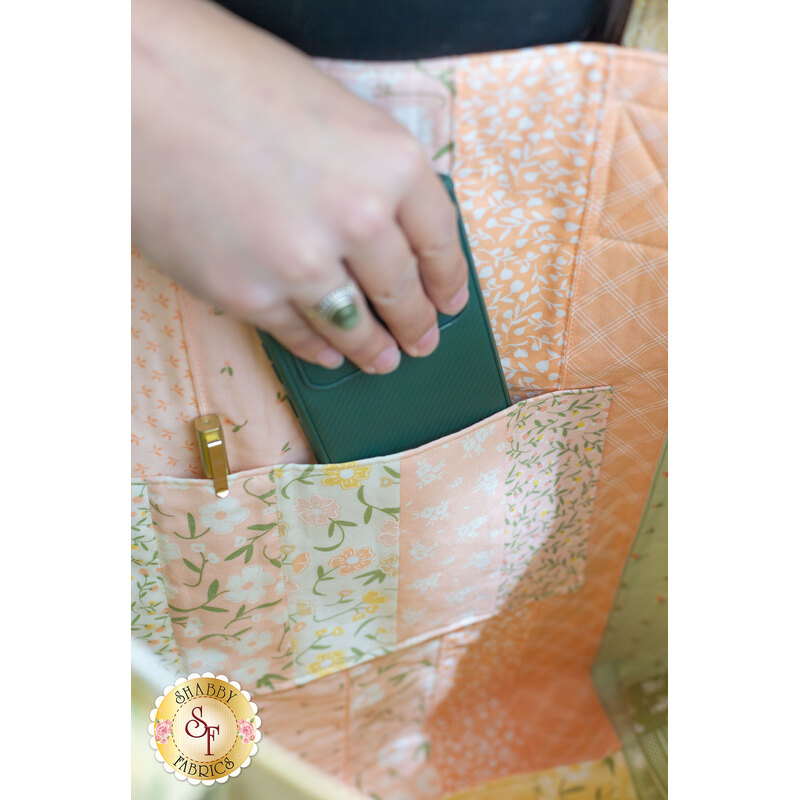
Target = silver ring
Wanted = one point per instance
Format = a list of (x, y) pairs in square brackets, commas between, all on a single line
[(338, 308)]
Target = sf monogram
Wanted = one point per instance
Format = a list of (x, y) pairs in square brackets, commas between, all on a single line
[(202, 728)]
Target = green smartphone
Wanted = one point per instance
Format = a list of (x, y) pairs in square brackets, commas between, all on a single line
[(348, 415)]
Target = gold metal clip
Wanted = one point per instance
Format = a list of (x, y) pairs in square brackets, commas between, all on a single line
[(212, 452)]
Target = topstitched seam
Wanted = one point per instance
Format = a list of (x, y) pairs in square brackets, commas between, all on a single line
[(191, 350), (590, 217)]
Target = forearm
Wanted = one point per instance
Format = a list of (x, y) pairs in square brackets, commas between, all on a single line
[(195, 68), (261, 185)]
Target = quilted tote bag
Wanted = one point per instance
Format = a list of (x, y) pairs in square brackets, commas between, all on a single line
[(429, 623)]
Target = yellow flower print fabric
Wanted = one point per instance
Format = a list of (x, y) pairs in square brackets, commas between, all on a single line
[(349, 475), (342, 577)]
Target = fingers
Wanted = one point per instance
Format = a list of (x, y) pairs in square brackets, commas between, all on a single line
[(368, 345), (387, 271), (407, 260), (428, 218), (313, 339), (295, 334)]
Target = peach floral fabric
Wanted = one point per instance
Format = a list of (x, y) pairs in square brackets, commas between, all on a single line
[(163, 402), (424, 623)]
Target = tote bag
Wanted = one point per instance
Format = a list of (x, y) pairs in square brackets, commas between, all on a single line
[(426, 623)]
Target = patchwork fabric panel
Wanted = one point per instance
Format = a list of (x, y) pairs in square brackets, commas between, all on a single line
[(305, 570)]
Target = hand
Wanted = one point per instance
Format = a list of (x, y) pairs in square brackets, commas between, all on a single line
[(260, 184)]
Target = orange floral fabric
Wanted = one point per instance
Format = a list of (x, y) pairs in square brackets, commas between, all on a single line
[(526, 131)]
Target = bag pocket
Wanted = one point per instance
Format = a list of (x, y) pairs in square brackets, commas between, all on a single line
[(304, 570)]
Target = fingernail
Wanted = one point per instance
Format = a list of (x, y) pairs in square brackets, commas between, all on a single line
[(427, 343), (330, 358), (457, 301), (387, 361)]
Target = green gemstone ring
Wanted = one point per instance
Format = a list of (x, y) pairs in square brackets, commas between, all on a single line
[(338, 308)]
